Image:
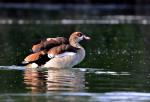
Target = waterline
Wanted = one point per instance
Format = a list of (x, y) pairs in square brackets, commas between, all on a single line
[(117, 19)]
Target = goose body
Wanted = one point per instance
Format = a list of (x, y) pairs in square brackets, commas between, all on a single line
[(67, 59), (57, 52)]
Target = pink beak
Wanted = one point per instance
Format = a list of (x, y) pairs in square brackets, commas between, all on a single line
[(87, 38)]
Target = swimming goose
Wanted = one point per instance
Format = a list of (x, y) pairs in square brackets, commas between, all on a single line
[(57, 52)]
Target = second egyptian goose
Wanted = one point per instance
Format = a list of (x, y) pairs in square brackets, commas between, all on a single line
[(57, 52)]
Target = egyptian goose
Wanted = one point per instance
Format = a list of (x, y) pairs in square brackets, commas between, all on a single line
[(57, 52)]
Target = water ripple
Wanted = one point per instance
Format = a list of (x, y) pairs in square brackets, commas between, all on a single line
[(77, 96)]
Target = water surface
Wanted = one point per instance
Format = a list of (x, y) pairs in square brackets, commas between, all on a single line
[(77, 84), (116, 67)]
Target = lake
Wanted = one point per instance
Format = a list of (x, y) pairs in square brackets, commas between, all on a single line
[(116, 67)]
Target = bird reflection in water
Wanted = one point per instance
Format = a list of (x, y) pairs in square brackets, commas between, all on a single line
[(35, 80), (54, 80)]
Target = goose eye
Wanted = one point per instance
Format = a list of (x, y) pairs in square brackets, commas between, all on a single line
[(79, 34)]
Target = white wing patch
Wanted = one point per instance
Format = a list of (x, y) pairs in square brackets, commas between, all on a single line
[(61, 55), (51, 56), (34, 65)]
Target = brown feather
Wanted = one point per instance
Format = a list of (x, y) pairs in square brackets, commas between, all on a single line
[(34, 56), (48, 44), (62, 48)]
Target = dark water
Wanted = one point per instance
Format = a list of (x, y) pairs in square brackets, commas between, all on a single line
[(116, 67)]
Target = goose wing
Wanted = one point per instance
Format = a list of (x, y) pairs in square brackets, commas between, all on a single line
[(42, 57), (41, 48), (62, 50), (49, 43)]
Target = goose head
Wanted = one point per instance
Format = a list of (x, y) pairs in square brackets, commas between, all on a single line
[(77, 37)]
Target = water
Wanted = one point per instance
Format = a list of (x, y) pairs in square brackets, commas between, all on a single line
[(77, 84), (116, 67)]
